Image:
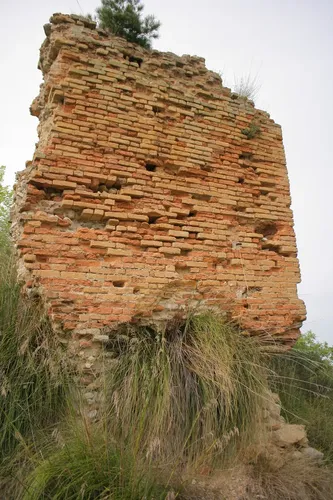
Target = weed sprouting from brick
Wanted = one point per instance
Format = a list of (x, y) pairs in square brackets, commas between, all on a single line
[(251, 131)]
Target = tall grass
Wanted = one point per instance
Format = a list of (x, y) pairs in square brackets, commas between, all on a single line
[(90, 465), (190, 393), (247, 86), (304, 381), (33, 373)]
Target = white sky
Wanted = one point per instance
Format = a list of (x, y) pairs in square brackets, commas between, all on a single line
[(288, 44)]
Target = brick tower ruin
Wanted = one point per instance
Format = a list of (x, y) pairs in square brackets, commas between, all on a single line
[(153, 189)]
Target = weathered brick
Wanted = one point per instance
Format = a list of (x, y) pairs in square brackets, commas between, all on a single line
[(133, 194)]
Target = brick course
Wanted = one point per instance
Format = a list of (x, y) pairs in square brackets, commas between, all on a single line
[(147, 193)]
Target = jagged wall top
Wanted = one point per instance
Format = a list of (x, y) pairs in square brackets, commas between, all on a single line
[(153, 188)]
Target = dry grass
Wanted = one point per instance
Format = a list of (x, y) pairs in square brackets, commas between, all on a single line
[(298, 479), (247, 86), (188, 395), (88, 464)]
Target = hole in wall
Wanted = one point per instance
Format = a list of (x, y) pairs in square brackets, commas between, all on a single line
[(185, 252), (182, 269), (202, 197), (250, 291), (150, 167), (153, 219), (138, 60), (206, 168), (52, 193), (193, 213), (132, 58), (271, 247), (119, 184), (266, 229), (118, 284), (240, 180), (246, 156)]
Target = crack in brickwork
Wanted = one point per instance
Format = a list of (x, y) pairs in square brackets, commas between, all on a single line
[(145, 196)]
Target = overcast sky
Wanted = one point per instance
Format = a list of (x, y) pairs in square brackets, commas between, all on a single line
[(287, 44)]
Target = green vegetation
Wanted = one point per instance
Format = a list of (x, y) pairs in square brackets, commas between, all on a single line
[(305, 385), (178, 401), (32, 370), (252, 131), (124, 18), (91, 466), (201, 382)]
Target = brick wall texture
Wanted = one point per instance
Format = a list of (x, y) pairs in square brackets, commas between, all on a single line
[(152, 189)]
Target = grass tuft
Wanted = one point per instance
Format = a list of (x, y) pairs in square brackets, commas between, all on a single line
[(247, 86), (91, 466), (192, 391)]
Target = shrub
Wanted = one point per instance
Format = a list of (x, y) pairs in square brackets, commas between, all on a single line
[(191, 392), (124, 18)]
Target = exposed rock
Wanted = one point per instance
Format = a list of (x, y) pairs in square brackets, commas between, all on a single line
[(313, 454), (290, 434)]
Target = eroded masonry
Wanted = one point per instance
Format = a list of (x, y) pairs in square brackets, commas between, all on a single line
[(153, 189)]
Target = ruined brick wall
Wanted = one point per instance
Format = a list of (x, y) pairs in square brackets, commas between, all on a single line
[(152, 188)]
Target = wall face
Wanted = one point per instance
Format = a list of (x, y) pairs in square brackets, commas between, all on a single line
[(152, 188)]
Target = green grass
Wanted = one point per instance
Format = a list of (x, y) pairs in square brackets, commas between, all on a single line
[(192, 391), (304, 381), (90, 465), (33, 374)]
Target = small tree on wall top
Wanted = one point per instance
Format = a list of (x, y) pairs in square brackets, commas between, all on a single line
[(124, 18)]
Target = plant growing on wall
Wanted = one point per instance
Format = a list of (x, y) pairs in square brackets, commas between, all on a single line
[(252, 131), (124, 18)]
